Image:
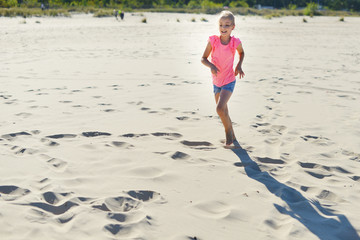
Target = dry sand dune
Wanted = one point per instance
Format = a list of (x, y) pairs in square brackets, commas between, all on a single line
[(108, 130)]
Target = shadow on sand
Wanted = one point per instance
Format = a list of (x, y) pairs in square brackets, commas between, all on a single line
[(328, 226)]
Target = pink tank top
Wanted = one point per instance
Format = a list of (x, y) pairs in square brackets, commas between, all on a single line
[(222, 56)]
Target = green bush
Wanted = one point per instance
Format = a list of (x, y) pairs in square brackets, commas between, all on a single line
[(236, 4), (292, 6), (12, 3), (103, 13), (3, 4), (30, 4), (207, 4), (311, 9), (193, 4)]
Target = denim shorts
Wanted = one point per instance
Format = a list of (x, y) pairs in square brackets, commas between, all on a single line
[(229, 87)]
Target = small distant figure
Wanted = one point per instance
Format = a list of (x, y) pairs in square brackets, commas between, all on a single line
[(115, 14), (121, 14), (42, 7)]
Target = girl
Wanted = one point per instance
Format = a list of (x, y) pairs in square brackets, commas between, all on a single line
[(222, 49)]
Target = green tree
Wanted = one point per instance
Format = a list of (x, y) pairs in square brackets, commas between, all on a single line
[(193, 4), (3, 4), (238, 3), (311, 9), (12, 3)]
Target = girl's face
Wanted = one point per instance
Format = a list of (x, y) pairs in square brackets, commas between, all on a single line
[(226, 26)]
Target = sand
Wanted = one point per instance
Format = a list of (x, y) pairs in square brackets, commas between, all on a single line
[(108, 130)]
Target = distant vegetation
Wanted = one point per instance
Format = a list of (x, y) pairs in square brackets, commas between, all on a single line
[(245, 7)]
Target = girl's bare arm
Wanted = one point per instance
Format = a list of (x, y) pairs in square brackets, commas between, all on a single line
[(205, 60), (238, 69)]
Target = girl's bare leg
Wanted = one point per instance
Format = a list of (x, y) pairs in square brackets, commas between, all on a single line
[(221, 100)]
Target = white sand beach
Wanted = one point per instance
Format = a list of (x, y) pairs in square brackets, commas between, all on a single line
[(108, 130)]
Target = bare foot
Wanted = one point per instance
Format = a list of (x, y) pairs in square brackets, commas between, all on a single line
[(229, 138), (233, 135)]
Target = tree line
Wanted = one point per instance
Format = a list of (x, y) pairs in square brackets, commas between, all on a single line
[(350, 5)]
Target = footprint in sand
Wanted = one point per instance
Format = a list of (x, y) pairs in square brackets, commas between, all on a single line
[(326, 168), (256, 125), (328, 195), (318, 175), (144, 195), (56, 204), (57, 164), (55, 210), (260, 116), (308, 165), (272, 224), (136, 103), (169, 136), (355, 178), (48, 142), (168, 109), (129, 218), (272, 99), (79, 106), (272, 141), (270, 160), (336, 169), (185, 118), (126, 211), (59, 136), (10, 136), (180, 156), (200, 145), (76, 91), (95, 134), (108, 110), (346, 97), (304, 92), (278, 129), (23, 114), (119, 205), (5, 96), (65, 218), (352, 155), (211, 209), (17, 150), (11, 193), (104, 104), (22, 151), (321, 141), (182, 118), (122, 144), (55, 198), (13, 101), (121, 230), (133, 135), (144, 85), (42, 184)]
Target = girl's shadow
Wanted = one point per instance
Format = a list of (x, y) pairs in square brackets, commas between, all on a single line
[(327, 226)]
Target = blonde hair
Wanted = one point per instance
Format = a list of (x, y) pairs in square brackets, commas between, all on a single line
[(229, 15)]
